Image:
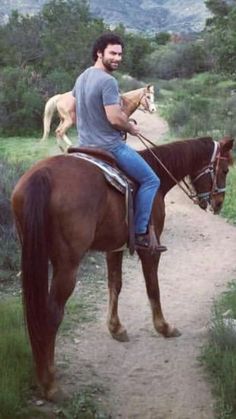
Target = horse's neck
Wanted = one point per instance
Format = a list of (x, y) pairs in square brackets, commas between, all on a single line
[(130, 104), (179, 163)]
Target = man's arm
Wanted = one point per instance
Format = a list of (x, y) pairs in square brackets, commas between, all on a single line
[(119, 120)]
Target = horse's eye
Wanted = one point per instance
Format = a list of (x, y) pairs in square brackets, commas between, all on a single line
[(225, 171)]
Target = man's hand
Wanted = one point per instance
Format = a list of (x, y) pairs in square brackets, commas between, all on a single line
[(134, 129)]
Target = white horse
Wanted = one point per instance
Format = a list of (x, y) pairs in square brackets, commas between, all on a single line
[(65, 105)]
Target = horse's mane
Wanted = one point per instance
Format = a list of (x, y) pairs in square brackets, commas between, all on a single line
[(133, 92), (180, 154)]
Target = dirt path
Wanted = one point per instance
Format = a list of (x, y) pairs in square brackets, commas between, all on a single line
[(150, 377)]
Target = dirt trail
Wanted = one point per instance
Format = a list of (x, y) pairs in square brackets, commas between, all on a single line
[(150, 377)]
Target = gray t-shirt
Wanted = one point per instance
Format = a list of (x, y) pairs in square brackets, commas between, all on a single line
[(93, 90)]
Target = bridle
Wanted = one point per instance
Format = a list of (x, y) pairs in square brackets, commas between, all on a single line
[(211, 169), (144, 99)]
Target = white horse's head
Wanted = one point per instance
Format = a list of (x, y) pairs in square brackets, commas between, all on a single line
[(147, 100)]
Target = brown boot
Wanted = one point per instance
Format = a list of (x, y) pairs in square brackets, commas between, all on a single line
[(142, 242)]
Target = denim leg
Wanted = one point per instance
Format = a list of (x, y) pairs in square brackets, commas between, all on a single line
[(136, 167)]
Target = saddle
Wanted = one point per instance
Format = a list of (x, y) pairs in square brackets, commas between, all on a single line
[(116, 178), (95, 152)]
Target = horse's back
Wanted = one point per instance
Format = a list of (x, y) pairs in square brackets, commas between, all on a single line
[(66, 106), (81, 203)]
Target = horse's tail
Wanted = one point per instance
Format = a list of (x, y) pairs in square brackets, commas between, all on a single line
[(48, 114), (35, 256)]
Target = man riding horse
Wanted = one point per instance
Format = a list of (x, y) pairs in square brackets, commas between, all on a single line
[(101, 121)]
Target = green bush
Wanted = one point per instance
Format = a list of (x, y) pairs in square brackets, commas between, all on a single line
[(20, 102), (9, 248), (203, 105), (177, 60), (127, 83), (219, 355), (16, 371), (229, 208)]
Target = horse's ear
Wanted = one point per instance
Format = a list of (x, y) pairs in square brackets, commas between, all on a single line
[(150, 88), (226, 144)]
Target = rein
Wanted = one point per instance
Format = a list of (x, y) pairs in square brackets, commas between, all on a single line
[(137, 103), (187, 191), (209, 169)]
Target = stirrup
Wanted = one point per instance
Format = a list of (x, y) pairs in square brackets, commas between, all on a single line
[(142, 242)]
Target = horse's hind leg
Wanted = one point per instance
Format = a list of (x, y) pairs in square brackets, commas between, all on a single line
[(62, 286), (150, 264), (114, 266)]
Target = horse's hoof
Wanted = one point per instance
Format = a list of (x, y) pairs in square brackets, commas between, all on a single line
[(121, 337), (173, 332), (56, 395)]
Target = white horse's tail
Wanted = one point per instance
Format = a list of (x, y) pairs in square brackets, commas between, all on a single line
[(48, 113)]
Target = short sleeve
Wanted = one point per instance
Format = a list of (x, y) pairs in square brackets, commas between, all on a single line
[(110, 92)]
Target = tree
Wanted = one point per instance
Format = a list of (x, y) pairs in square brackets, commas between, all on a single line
[(162, 38), (220, 34), (20, 101), (68, 33), (21, 40), (137, 48)]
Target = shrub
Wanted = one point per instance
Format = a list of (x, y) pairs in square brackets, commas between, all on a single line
[(9, 254)]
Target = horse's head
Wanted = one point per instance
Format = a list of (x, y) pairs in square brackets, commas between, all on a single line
[(147, 99), (210, 181)]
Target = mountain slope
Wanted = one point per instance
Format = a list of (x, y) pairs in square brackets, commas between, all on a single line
[(148, 16), (153, 15)]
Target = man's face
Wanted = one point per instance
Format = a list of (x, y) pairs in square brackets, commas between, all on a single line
[(111, 57)]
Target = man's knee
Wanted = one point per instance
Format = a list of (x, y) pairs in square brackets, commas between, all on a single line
[(155, 182)]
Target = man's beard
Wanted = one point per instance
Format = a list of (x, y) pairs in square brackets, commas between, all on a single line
[(108, 66)]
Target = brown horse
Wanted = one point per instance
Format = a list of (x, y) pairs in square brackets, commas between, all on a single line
[(65, 105), (63, 207)]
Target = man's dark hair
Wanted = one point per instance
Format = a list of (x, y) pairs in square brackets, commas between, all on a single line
[(106, 39)]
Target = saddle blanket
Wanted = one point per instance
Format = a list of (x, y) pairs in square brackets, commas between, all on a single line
[(113, 175)]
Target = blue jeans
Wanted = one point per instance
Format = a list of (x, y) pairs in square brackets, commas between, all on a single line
[(137, 168)]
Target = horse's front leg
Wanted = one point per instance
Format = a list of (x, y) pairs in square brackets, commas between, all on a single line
[(150, 264), (114, 267)]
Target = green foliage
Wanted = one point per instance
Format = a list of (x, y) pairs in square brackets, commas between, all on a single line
[(127, 83), (219, 8), (84, 405), (16, 155), (20, 40), (229, 209), (203, 105), (15, 361), (220, 37), (9, 254), (137, 48), (219, 355), (162, 38), (20, 101), (177, 60), (67, 36)]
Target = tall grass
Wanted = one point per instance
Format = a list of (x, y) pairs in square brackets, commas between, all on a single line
[(9, 256), (229, 208), (15, 361), (219, 355), (26, 151)]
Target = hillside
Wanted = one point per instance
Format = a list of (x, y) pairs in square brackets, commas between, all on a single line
[(148, 16)]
